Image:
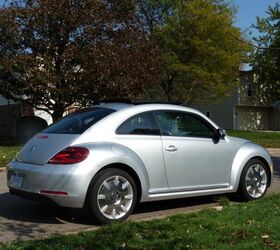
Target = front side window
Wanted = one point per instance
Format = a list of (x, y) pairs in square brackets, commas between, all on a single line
[(141, 124), (183, 125), (78, 122)]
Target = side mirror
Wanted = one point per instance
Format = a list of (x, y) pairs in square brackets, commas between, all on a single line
[(221, 133)]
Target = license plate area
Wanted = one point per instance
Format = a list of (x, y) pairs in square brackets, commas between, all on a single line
[(15, 180)]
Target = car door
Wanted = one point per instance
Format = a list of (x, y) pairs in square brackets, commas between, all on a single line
[(140, 134), (195, 158)]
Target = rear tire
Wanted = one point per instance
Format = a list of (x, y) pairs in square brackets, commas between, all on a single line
[(112, 196), (253, 181)]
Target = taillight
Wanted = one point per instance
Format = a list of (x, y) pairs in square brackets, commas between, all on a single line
[(70, 155)]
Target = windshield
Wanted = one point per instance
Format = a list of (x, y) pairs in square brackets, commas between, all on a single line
[(78, 122)]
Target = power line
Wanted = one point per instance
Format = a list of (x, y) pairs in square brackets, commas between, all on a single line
[(253, 45)]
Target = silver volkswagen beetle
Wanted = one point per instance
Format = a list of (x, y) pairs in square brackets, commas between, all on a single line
[(110, 156)]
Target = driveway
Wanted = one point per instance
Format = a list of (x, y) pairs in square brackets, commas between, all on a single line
[(21, 219)]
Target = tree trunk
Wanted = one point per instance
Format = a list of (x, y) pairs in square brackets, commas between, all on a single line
[(57, 113), (168, 86)]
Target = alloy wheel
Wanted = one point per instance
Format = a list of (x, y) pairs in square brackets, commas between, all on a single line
[(115, 197), (256, 180)]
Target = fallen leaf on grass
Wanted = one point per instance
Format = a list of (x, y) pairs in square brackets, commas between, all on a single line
[(270, 243), (265, 236), (219, 208), (239, 235)]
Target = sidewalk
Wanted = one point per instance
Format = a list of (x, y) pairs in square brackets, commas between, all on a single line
[(274, 151)]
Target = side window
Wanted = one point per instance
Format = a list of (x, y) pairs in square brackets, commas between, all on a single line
[(198, 127), (78, 122), (167, 122), (141, 124), (183, 125)]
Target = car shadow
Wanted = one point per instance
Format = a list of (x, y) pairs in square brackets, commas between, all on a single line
[(17, 209), (155, 206)]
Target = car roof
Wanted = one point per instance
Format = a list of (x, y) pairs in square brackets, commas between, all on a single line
[(138, 106), (114, 105), (122, 104)]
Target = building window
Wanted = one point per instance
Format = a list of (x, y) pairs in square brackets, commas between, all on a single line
[(208, 114), (249, 89)]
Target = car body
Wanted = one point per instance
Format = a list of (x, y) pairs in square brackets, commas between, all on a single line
[(114, 154)]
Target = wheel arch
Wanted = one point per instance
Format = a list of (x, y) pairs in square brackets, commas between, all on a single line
[(123, 167), (245, 153), (130, 171)]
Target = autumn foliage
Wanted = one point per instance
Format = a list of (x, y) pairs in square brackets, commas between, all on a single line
[(56, 53)]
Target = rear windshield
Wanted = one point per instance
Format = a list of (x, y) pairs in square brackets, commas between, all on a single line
[(78, 122)]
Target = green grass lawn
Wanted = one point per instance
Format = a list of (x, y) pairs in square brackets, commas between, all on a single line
[(253, 225), (265, 139), (7, 153)]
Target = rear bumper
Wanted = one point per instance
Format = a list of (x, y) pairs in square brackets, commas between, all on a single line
[(72, 180), (31, 196)]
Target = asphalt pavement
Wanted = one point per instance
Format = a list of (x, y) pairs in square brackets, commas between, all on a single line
[(22, 220)]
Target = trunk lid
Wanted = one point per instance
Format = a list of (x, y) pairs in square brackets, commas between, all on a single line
[(42, 147)]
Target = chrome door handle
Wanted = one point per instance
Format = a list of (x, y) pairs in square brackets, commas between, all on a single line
[(171, 148)]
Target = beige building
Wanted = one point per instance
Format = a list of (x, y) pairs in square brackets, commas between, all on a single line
[(244, 108)]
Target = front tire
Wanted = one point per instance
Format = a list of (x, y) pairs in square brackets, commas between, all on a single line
[(112, 196), (253, 181)]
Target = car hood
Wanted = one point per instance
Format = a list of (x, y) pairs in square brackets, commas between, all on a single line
[(42, 147)]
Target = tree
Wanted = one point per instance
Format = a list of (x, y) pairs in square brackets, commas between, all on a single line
[(57, 53), (201, 51), (152, 13), (266, 62)]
